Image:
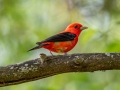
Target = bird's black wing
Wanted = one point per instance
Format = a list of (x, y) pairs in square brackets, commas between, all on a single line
[(66, 36)]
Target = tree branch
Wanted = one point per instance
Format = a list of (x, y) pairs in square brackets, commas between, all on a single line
[(52, 65)]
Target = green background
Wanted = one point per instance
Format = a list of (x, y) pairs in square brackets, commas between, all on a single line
[(25, 22)]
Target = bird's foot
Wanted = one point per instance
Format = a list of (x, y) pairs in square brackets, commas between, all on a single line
[(65, 53), (51, 53)]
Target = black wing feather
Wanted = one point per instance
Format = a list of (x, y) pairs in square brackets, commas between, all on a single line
[(66, 36)]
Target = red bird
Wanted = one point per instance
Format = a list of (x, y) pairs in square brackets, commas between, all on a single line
[(63, 41)]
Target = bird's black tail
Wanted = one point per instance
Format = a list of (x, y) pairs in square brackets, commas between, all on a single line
[(37, 47)]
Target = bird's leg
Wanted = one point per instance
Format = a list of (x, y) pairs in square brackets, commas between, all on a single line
[(51, 53), (65, 53)]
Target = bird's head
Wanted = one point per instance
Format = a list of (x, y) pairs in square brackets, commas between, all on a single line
[(75, 28)]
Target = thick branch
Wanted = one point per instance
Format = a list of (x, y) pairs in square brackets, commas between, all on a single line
[(52, 65)]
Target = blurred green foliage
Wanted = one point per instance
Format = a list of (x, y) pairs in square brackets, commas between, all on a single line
[(24, 22)]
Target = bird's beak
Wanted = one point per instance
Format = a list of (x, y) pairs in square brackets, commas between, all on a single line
[(83, 27)]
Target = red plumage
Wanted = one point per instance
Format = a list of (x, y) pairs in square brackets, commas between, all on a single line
[(63, 41)]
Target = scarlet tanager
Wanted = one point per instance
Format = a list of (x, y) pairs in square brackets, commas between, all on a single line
[(63, 41)]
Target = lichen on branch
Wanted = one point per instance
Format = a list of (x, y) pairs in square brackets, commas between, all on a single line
[(47, 66)]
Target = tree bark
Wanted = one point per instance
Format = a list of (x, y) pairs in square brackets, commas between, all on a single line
[(47, 66)]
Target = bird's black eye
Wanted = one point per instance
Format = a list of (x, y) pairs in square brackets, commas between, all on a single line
[(76, 26)]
